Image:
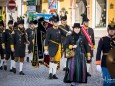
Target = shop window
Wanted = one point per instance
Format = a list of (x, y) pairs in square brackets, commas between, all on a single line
[(101, 13)]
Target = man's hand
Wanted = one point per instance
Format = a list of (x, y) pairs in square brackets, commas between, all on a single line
[(89, 58), (12, 49), (46, 52), (69, 33), (3, 47), (74, 46)]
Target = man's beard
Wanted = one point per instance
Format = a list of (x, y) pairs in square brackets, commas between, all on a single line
[(11, 28), (21, 28)]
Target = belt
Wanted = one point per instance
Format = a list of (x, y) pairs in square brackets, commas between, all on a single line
[(105, 54), (55, 42)]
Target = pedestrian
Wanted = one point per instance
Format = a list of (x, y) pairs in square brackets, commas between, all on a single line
[(2, 51), (105, 44), (89, 34), (53, 46), (6, 44), (76, 71), (67, 28), (30, 33), (19, 40)]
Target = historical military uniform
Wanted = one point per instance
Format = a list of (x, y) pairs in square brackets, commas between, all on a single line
[(105, 44), (89, 32), (2, 53), (30, 33), (53, 46), (19, 41), (6, 42)]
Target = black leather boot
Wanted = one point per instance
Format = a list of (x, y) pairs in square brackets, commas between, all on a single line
[(55, 77), (5, 67), (50, 76), (27, 59), (21, 73), (14, 70), (1, 68), (88, 74)]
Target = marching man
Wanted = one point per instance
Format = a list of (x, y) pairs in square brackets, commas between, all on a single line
[(6, 42), (105, 44), (19, 40), (2, 53), (89, 34), (53, 46)]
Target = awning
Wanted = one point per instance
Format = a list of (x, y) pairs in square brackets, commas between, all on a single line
[(3, 2)]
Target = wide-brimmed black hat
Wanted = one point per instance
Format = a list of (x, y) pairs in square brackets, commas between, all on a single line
[(1, 23), (35, 22), (31, 22), (10, 22), (111, 27), (55, 18), (77, 25), (21, 22), (63, 17), (84, 18)]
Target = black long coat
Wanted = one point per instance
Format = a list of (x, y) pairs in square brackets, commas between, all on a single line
[(54, 35), (18, 40), (6, 39), (91, 34), (105, 45), (1, 49)]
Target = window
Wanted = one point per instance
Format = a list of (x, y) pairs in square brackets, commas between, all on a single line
[(100, 13)]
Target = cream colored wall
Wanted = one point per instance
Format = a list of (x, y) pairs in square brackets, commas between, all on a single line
[(111, 12), (45, 6)]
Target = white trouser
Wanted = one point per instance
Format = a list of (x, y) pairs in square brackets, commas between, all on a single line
[(52, 68), (64, 60)]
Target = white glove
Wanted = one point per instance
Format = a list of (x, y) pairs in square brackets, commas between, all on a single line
[(46, 52), (12, 49), (98, 68), (69, 33)]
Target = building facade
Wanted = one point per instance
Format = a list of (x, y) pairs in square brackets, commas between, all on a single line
[(100, 12)]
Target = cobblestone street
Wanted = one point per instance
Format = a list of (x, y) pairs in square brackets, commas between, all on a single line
[(39, 77)]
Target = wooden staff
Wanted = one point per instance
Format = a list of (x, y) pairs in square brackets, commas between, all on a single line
[(54, 25)]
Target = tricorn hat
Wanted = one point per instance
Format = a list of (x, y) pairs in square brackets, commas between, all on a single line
[(77, 25)]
